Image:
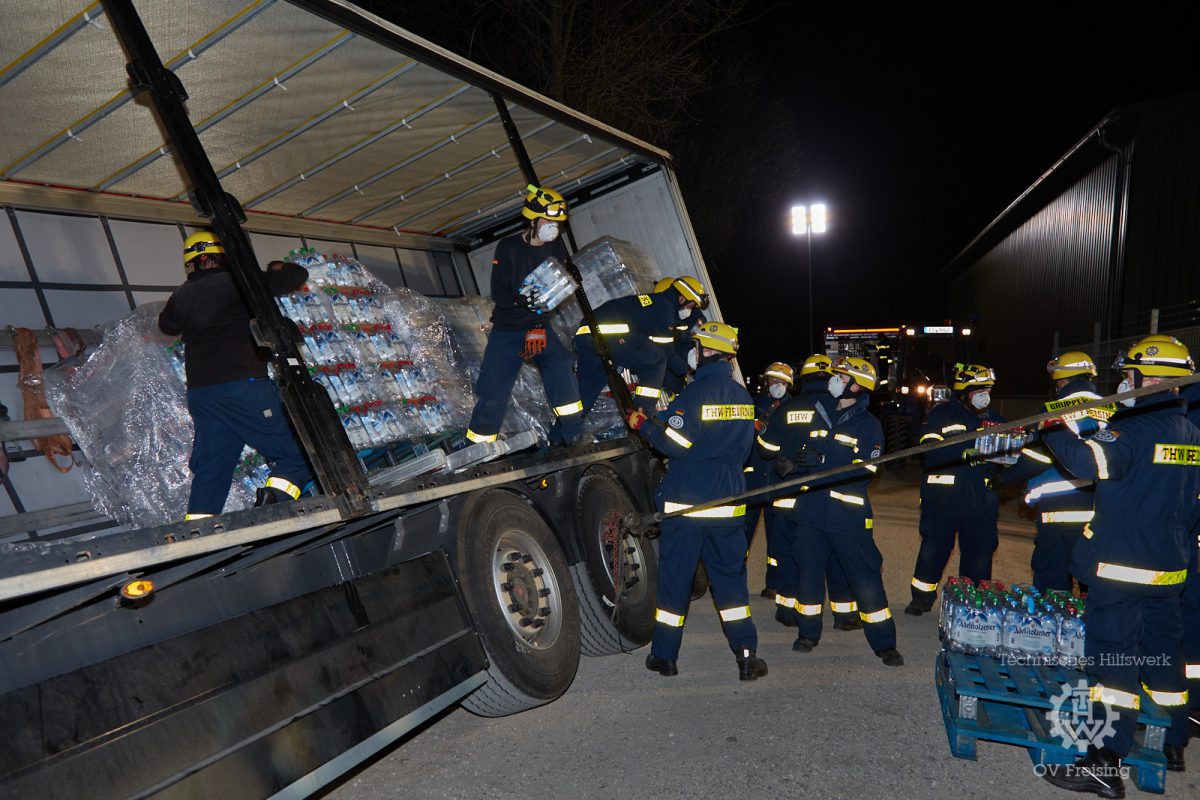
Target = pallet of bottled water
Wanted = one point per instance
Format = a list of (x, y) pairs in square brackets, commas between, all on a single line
[(1016, 623)]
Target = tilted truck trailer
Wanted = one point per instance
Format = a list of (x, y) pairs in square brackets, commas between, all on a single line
[(280, 646)]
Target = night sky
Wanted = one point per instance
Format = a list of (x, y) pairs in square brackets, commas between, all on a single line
[(917, 124)]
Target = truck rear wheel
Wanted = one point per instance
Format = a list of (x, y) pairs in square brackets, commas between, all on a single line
[(516, 582), (612, 560)]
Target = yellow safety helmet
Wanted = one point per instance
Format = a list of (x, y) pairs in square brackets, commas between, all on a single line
[(861, 370), (1070, 364), (717, 336), (780, 371), (973, 376), (198, 244), (662, 285), (692, 290), (545, 203), (816, 364), (1152, 356)]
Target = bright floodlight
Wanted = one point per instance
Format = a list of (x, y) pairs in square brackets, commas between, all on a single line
[(818, 218), (799, 220)]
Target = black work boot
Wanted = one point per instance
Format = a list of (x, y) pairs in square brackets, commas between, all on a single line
[(784, 618), (750, 666), (1098, 772), (1174, 754), (804, 644), (267, 496), (847, 623), (918, 607), (767, 592), (891, 657), (661, 665)]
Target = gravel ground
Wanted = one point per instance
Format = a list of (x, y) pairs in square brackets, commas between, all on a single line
[(834, 723)]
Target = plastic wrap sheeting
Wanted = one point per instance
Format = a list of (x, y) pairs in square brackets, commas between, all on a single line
[(610, 268), (467, 318), (126, 407)]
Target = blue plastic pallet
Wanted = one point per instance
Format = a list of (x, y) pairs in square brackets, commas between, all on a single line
[(982, 698)]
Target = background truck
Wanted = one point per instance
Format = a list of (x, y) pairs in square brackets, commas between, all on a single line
[(270, 650), (910, 360)]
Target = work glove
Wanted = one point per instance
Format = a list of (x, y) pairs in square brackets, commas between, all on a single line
[(634, 419), (784, 466), (535, 343), (532, 300), (808, 458)]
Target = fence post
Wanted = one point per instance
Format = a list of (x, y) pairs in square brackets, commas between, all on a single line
[(1096, 339), (1154, 320), (1054, 349)]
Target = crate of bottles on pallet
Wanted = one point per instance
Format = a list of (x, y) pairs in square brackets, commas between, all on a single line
[(354, 351), (1011, 657), (1014, 621)]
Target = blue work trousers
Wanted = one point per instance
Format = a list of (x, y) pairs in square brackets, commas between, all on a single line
[(645, 359), (977, 541), (1052, 549), (1132, 639), (841, 598), (723, 548), (228, 416), (1189, 604), (863, 564), (501, 364)]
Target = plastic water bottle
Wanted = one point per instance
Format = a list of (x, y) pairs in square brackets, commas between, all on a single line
[(356, 431), (1070, 637), (1029, 632)]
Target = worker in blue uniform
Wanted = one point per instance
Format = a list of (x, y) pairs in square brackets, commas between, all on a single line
[(776, 381), (1134, 556), (1063, 503), (520, 331), (678, 370), (640, 333), (707, 436), (232, 401), (837, 519), (789, 431), (957, 493)]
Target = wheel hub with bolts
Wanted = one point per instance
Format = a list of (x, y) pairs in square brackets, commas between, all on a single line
[(623, 555), (527, 590)]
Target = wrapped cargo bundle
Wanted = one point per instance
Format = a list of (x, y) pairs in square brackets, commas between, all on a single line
[(610, 268), (357, 340), (126, 408)]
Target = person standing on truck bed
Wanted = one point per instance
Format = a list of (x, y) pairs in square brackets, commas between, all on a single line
[(640, 332), (957, 493), (707, 436), (232, 401), (519, 333)]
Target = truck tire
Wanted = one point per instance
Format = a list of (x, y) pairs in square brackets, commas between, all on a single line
[(600, 502), (896, 437), (516, 582)]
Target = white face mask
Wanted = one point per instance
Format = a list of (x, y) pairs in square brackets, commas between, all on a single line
[(777, 390), (981, 400), (684, 313), (1126, 386), (693, 358), (547, 231), (836, 386)]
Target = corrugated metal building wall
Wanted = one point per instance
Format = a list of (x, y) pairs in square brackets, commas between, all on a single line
[(1091, 241)]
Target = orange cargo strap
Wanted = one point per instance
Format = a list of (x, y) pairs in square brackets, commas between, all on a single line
[(33, 390)]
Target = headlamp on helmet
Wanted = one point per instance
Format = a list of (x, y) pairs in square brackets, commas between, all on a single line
[(544, 203)]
